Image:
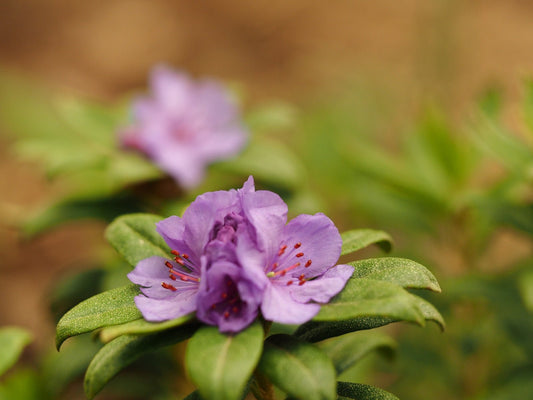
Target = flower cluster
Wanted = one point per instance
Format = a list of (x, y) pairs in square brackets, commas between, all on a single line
[(185, 125), (235, 255)]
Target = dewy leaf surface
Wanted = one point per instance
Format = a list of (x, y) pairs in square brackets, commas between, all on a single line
[(113, 307), (358, 239), (347, 350), (401, 271), (135, 238), (12, 342), (371, 298), (119, 353), (298, 368), (220, 365), (359, 391)]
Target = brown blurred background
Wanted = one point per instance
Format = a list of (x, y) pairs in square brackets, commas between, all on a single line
[(445, 50)]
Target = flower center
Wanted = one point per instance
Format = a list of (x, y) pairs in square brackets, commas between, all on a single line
[(283, 257), (226, 231), (230, 302), (184, 275)]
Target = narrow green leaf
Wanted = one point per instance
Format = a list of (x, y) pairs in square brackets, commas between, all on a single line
[(347, 350), (135, 238), (220, 365), (298, 368), (363, 297), (12, 342), (401, 271), (313, 331), (119, 353), (360, 238), (113, 307), (429, 311), (359, 391), (141, 327)]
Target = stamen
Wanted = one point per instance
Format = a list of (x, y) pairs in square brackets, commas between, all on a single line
[(213, 306), (224, 295), (300, 255), (289, 283), (272, 274), (181, 275), (180, 261), (226, 314), (297, 245), (169, 287), (308, 263), (301, 283), (301, 277), (172, 277), (186, 256), (174, 252), (235, 310), (282, 250)]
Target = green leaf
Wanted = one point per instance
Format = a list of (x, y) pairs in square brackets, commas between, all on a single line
[(360, 238), (298, 368), (401, 271), (220, 365), (363, 297), (12, 342), (122, 351), (135, 237), (141, 327), (24, 384), (429, 311), (359, 391), (113, 307), (347, 350), (313, 331)]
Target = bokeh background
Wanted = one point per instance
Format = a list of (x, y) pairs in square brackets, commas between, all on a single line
[(386, 59)]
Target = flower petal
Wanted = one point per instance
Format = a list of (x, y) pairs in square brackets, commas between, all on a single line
[(311, 240), (267, 214), (323, 288), (201, 216), (161, 310), (279, 306)]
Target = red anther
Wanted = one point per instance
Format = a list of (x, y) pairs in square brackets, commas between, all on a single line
[(186, 256), (167, 286), (172, 277), (308, 263), (300, 255), (301, 277), (282, 273), (297, 245), (275, 265), (229, 282), (301, 283), (224, 295), (174, 252), (289, 283), (180, 261), (168, 264), (184, 278), (282, 250), (235, 310), (213, 306), (226, 314)]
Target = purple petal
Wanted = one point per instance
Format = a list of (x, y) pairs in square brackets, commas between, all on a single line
[(267, 215), (203, 213), (161, 310), (279, 306), (151, 272), (323, 288), (171, 89), (311, 240), (227, 298)]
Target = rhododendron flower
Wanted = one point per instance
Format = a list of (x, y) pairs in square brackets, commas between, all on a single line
[(185, 125), (234, 255)]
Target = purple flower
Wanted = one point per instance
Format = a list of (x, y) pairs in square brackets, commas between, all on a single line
[(234, 255), (185, 125)]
